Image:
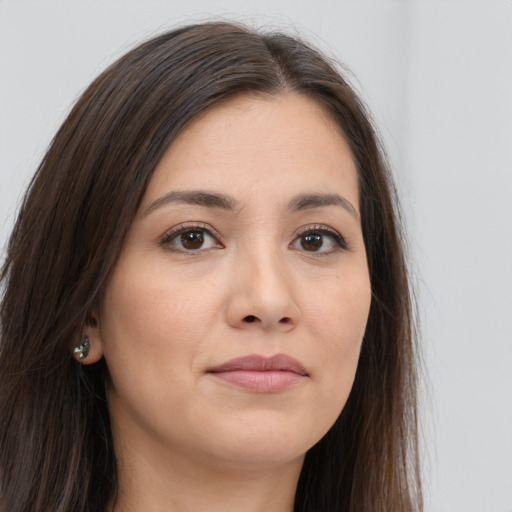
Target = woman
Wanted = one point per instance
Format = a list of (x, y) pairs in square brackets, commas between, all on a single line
[(206, 303)]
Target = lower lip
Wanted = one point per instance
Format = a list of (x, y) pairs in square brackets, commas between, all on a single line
[(269, 381)]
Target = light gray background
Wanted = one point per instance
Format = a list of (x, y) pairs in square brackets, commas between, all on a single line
[(438, 77)]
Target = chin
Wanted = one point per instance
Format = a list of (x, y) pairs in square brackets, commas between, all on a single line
[(258, 455), (265, 441)]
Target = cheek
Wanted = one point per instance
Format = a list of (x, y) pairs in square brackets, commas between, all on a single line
[(152, 326), (337, 320), (338, 311), (154, 308)]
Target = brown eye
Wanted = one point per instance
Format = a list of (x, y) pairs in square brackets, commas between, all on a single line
[(312, 242), (192, 240), (321, 240)]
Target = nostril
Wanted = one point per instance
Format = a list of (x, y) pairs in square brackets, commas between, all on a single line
[(250, 319)]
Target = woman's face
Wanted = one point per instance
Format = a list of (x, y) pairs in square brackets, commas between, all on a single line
[(233, 320)]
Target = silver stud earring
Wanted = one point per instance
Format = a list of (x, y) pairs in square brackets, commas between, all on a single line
[(82, 350)]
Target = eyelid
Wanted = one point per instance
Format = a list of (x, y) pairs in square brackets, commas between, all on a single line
[(339, 239), (183, 227)]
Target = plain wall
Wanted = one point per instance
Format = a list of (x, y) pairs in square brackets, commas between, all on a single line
[(459, 161), (438, 77)]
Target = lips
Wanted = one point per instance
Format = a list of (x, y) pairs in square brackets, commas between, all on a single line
[(261, 374)]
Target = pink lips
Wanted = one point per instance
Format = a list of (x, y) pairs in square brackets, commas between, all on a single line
[(262, 374)]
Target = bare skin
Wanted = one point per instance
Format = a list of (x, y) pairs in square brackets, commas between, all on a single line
[(247, 244)]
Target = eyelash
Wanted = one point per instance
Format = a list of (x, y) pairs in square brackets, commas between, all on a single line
[(316, 229), (175, 232), (323, 230)]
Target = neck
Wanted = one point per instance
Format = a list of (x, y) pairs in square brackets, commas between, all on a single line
[(173, 483)]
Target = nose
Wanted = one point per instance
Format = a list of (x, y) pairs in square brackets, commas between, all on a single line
[(261, 295)]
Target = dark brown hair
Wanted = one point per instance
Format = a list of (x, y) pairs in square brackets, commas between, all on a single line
[(56, 451)]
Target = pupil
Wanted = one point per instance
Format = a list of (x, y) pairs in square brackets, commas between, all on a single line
[(312, 242), (192, 239)]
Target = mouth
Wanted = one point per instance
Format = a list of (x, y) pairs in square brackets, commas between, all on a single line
[(261, 374)]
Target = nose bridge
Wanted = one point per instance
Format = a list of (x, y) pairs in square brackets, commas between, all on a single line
[(267, 275), (263, 288)]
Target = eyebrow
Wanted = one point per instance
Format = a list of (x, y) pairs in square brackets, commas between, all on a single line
[(309, 201), (225, 202), (195, 197)]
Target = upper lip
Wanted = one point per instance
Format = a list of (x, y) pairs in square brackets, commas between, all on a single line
[(278, 362)]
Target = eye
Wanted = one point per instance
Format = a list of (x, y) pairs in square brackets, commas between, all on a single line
[(190, 238), (319, 239)]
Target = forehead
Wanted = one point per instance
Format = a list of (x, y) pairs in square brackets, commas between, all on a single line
[(279, 145)]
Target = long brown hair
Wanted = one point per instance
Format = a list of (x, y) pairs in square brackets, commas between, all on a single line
[(56, 450)]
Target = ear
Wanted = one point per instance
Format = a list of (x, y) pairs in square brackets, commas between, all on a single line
[(92, 332)]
